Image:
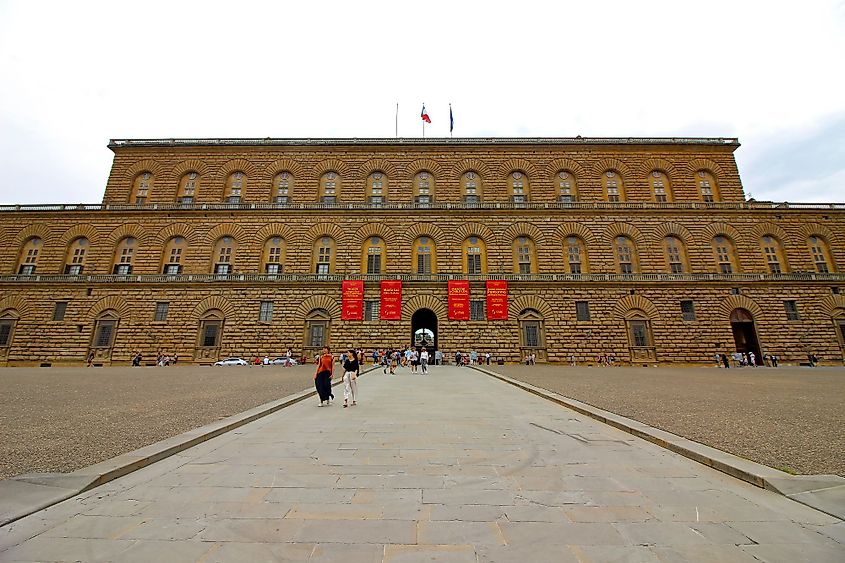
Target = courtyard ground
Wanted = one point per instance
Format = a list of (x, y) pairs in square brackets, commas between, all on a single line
[(62, 419), (789, 418)]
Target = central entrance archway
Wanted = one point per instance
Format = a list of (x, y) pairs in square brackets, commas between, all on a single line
[(424, 329), (745, 335)]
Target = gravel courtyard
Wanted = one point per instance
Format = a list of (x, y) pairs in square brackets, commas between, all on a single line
[(790, 418), (62, 419)]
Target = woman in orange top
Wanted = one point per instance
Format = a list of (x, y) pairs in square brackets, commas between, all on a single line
[(323, 377)]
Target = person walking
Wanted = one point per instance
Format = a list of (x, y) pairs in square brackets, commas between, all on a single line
[(323, 377), (352, 369), (424, 361)]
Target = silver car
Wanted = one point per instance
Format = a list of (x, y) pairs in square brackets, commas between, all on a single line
[(232, 362), (284, 361)]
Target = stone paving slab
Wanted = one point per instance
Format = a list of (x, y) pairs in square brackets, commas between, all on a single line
[(454, 466)]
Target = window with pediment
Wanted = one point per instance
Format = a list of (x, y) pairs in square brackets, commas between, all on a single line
[(188, 187), (475, 255), (471, 187), (274, 255), (75, 257), (424, 188), (614, 187), (282, 188), (210, 330), (141, 187), (567, 187), (377, 188), (8, 321), (105, 329), (28, 259), (124, 256), (235, 187)]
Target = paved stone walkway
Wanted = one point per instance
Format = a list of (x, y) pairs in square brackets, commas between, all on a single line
[(452, 467)]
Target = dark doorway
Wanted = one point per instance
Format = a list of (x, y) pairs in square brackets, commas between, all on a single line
[(424, 329), (745, 335)]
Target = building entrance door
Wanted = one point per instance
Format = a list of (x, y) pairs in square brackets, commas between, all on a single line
[(424, 329), (745, 335)]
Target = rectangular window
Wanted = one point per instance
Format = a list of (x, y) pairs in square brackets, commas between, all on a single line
[(324, 259), (161, 311), (374, 262), (523, 256), (423, 261), (322, 268), (105, 329), (186, 200), (317, 331), (639, 333), (265, 313), (26, 269), (59, 311), (122, 269), (582, 310), (233, 199), (281, 200), (688, 310), (532, 335), (5, 333), (209, 334), (222, 269), (273, 268), (371, 310), (73, 269), (772, 259), (476, 310), (172, 269), (791, 308), (473, 263)]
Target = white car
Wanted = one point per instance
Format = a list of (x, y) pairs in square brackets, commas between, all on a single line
[(232, 362), (283, 361)]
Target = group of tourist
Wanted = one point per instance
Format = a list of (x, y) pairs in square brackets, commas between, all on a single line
[(351, 361), (744, 359)]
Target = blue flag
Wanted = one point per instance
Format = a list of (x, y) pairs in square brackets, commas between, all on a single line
[(451, 119)]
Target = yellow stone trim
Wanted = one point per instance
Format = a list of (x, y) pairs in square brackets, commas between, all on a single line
[(518, 305), (732, 302), (110, 302), (623, 307), (523, 228), (213, 302), (317, 302), (624, 229)]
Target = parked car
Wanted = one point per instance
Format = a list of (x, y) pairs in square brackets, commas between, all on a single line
[(284, 360), (232, 362)]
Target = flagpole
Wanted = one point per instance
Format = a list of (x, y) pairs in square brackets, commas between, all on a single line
[(450, 120), (423, 122), (397, 120)]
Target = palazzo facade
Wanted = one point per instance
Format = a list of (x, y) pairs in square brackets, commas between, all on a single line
[(646, 249)]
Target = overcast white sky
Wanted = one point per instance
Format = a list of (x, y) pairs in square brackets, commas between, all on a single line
[(75, 74)]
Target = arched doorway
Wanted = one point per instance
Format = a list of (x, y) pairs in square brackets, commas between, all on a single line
[(424, 329), (745, 335), (839, 323)]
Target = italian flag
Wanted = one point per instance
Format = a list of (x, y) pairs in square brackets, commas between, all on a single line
[(424, 115)]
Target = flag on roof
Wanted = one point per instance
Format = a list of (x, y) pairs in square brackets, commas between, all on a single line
[(451, 119), (424, 115)]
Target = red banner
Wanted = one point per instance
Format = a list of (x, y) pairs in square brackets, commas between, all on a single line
[(459, 300), (497, 300), (391, 300), (352, 308)]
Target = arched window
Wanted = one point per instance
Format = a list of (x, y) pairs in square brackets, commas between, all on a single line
[(124, 254), (614, 187), (28, 260), (223, 256), (425, 256), (274, 255), (524, 256), (820, 253), (317, 325), (676, 256), (324, 255), (75, 258), (188, 186), (141, 187), (424, 188), (567, 187), (105, 329), (174, 255), (235, 187), (576, 251), (8, 320), (471, 188), (626, 255), (475, 256), (518, 187), (725, 253), (707, 186), (329, 187), (377, 188), (532, 337), (773, 254), (374, 255), (210, 332), (282, 188), (661, 190)]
